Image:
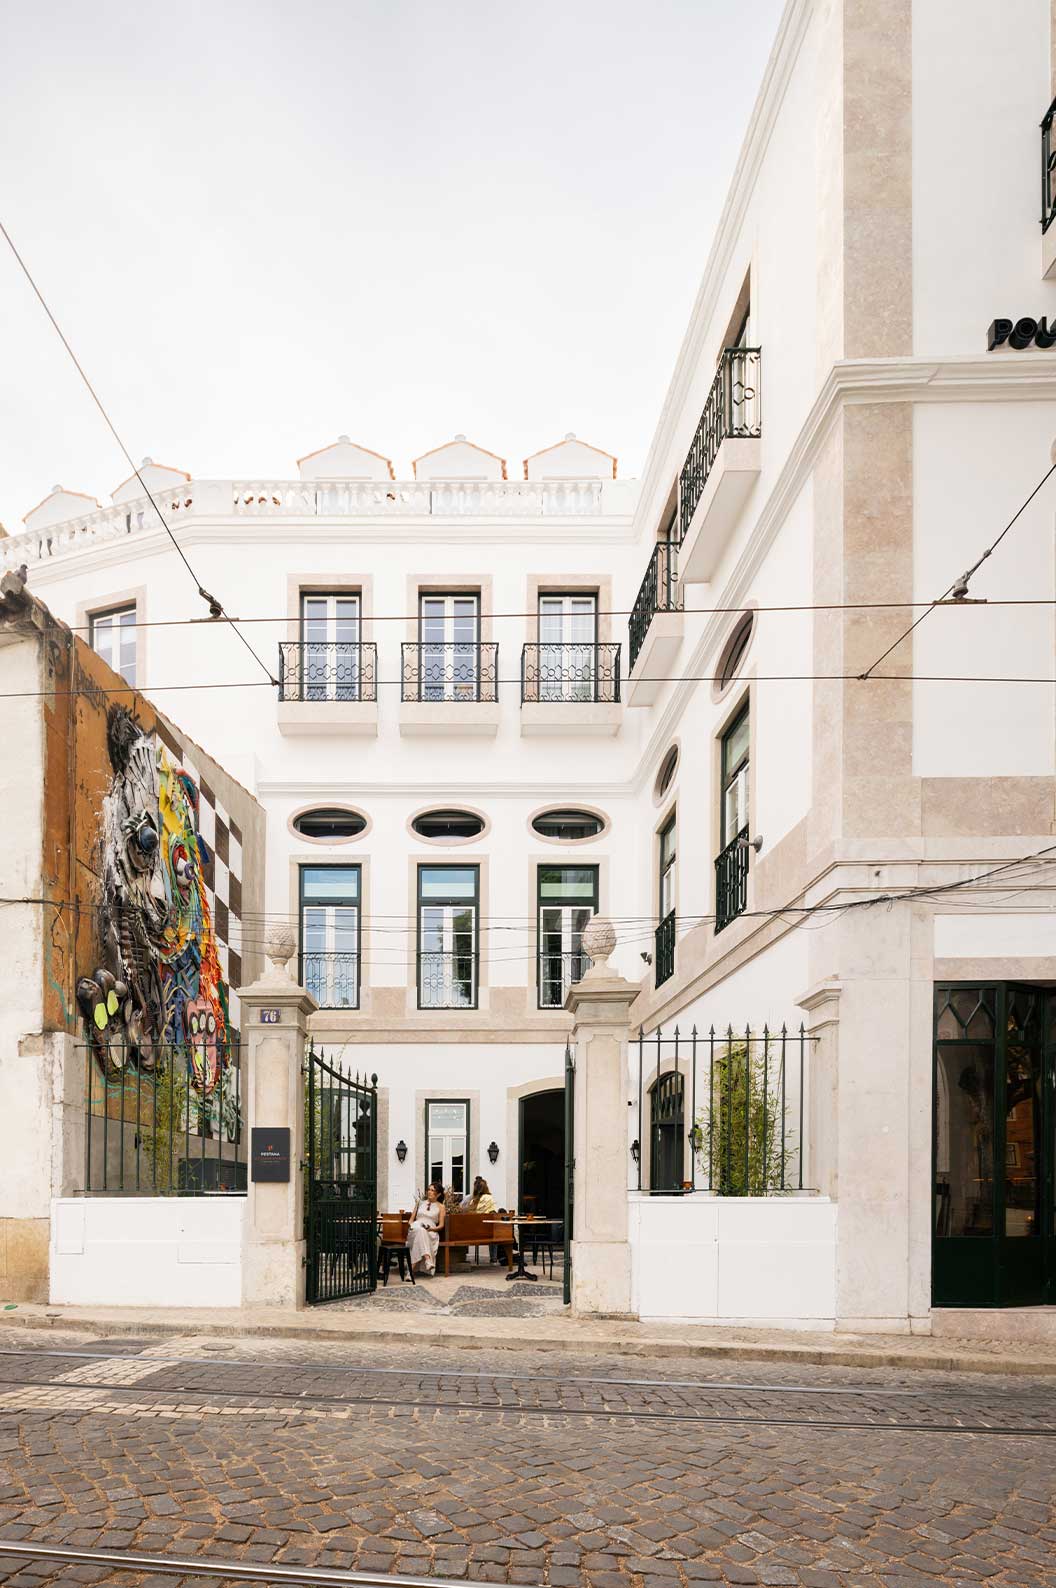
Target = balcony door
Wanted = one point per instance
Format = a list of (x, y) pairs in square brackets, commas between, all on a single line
[(568, 658), (449, 636), (330, 935), (447, 937), (568, 898), (994, 1146), (330, 640)]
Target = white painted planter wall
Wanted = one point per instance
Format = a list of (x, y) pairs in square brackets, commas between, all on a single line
[(147, 1251), (705, 1259)]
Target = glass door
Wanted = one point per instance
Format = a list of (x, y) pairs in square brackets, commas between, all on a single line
[(449, 636), (568, 898), (568, 660), (993, 1213), (330, 935), (447, 1141), (330, 639)]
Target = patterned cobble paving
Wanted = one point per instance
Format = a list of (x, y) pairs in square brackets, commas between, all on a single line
[(522, 1496)]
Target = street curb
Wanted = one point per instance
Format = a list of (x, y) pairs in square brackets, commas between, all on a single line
[(844, 1355)]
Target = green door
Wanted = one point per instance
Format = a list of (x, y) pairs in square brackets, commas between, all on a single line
[(994, 1243)]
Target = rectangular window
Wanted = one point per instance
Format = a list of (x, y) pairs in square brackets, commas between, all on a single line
[(664, 943), (113, 637), (448, 900), (568, 897), (447, 1145), (330, 645), (731, 866), (449, 640), (735, 745), (330, 935), (568, 656)]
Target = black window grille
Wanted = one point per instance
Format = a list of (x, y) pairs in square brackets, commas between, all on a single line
[(733, 408)]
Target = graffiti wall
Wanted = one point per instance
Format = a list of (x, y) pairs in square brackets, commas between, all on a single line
[(159, 981)]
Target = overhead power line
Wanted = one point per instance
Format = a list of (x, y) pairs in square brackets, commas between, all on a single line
[(216, 609), (603, 612), (959, 587)]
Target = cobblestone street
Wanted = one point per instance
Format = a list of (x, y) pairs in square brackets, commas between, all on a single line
[(519, 1468)]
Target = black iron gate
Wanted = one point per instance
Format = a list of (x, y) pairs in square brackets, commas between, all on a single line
[(341, 1181), (570, 1164)]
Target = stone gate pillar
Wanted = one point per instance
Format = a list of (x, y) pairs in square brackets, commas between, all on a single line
[(601, 1259), (275, 1014)]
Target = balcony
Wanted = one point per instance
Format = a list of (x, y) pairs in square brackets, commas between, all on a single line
[(332, 979), (664, 950), (447, 979), (655, 629), (571, 688), (328, 687), (722, 464), (731, 881), (557, 973), (450, 688), (1048, 195)]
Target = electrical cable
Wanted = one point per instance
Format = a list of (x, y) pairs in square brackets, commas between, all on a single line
[(603, 612), (964, 578), (216, 609), (515, 683)]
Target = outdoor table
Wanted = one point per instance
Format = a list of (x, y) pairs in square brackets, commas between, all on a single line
[(520, 1272)]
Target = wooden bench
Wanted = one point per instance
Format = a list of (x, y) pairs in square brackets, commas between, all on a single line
[(475, 1229), (461, 1230)]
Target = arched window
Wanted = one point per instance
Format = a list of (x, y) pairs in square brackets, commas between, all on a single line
[(329, 824), (571, 826), (733, 655), (666, 775), (667, 1132), (448, 826)]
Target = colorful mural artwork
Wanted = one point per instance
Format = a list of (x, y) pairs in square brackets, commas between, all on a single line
[(159, 980)]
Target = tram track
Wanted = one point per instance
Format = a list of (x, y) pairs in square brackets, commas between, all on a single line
[(416, 1372), (210, 1567), (311, 1399)]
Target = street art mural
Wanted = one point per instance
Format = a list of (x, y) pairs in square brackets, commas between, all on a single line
[(159, 981)]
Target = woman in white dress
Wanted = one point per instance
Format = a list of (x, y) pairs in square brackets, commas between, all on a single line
[(423, 1237)]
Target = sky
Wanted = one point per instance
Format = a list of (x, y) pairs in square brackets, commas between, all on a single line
[(262, 225)]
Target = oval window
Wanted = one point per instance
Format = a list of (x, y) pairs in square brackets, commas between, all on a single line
[(329, 824), (571, 826), (736, 645), (666, 775), (449, 825)]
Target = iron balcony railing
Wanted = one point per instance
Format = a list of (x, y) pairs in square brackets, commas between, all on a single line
[(731, 881), (732, 409), (162, 1118), (1048, 169), (725, 1112), (447, 979), (659, 593), (557, 973), (579, 672), (332, 979), (450, 671), (664, 949), (327, 670)]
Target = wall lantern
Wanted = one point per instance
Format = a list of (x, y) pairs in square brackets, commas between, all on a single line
[(401, 1150), (493, 1152), (636, 1150)]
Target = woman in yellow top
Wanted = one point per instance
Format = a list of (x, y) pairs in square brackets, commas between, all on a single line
[(481, 1200)]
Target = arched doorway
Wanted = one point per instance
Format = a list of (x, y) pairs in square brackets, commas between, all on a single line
[(541, 1170), (667, 1132)]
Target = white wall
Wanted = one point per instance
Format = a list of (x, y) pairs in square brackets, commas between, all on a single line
[(703, 1259), (147, 1251), (974, 464), (981, 84)]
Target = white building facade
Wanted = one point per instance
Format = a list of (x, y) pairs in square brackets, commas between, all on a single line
[(507, 704)]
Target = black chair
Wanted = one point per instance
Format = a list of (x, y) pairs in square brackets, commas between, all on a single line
[(392, 1242), (542, 1241)]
